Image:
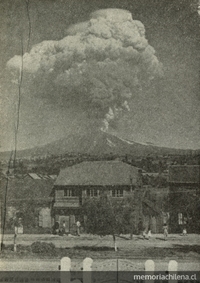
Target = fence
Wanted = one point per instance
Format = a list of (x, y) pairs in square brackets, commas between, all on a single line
[(112, 265)]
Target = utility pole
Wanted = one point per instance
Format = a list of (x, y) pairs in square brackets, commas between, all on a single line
[(138, 200), (3, 208), (198, 196), (199, 172), (4, 211)]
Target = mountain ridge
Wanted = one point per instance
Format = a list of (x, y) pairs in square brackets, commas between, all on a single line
[(99, 143)]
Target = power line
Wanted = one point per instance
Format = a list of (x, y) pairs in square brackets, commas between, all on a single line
[(20, 79)]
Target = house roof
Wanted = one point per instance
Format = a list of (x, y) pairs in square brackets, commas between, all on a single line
[(25, 188), (34, 176), (99, 173), (184, 174)]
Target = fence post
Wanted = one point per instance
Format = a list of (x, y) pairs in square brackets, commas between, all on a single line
[(149, 269), (87, 270), (65, 267), (172, 269)]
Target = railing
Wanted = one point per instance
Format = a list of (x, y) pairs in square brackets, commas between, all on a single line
[(66, 202), (88, 264)]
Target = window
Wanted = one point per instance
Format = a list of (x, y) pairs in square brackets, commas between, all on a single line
[(180, 218), (117, 193), (71, 193), (92, 193), (67, 192)]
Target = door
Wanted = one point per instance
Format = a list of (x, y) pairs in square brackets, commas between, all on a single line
[(64, 219)]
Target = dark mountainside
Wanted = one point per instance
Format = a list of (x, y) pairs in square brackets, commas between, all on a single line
[(97, 144)]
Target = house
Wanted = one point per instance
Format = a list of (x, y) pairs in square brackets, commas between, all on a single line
[(184, 198), (28, 198), (89, 179)]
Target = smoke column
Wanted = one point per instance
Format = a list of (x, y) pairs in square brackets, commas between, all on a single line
[(97, 68)]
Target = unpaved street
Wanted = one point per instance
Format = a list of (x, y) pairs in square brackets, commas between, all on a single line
[(185, 250), (92, 240)]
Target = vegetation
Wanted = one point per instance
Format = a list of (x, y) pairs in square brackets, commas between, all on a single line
[(108, 217), (81, 247), (43, 248), (189, 207), (51, 164)]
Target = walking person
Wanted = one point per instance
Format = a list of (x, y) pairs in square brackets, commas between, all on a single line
[(185, 226), (146, 234), (149, 234), (165, 231)]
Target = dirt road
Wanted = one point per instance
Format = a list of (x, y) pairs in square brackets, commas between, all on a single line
[(93, 240), (185, 250)]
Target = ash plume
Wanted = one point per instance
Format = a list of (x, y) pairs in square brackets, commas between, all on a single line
[(98, 67)]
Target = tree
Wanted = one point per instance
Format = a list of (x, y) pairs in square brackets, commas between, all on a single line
[(188, 206), (105, 217)]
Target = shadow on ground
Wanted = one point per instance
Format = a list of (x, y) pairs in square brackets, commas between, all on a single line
[(103, 252), (161, 239), (93, 248), (187, 248)]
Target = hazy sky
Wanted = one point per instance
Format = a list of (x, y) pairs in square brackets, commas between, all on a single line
[(165, 112)]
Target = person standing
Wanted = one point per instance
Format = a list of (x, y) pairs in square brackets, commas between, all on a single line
[(165, 231), (78, 225), (149, 234), (64, 227), (56, 227)]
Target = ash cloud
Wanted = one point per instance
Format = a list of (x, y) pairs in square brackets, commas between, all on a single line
[(98, 67)]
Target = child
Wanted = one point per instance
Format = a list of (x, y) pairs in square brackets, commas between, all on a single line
[(184, 231), (165, 231)]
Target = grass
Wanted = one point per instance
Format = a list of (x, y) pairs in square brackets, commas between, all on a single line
[(101, 252)]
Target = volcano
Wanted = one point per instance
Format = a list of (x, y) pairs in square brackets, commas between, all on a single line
[(98, 144)]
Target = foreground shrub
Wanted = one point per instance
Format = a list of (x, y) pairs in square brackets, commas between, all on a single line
[(43, 248)]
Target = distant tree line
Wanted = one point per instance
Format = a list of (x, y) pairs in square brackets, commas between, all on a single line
[(51, 164)]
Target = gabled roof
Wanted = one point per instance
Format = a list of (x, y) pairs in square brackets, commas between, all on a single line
[(184, 174), (99, 173), (26, 189)]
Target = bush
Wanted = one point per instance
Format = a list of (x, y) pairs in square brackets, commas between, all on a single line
[(43, 248)]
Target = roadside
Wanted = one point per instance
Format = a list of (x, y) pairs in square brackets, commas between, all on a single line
[(70, 241), (176, 247)]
